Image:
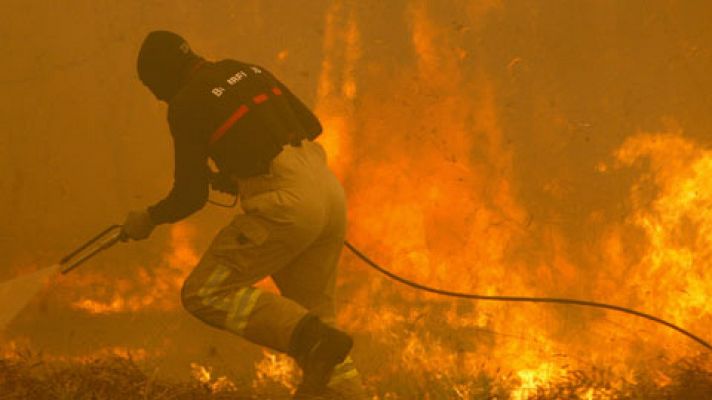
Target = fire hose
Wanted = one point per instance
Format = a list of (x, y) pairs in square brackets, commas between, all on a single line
[(523, 299), (112, 235)]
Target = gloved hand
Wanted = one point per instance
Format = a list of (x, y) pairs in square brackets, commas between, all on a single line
[(222, 183), (138, 226)]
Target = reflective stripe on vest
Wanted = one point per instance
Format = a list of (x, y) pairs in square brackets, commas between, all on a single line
[(239, 113)]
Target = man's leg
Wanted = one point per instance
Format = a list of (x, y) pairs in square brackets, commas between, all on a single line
[(310, 280), (219, 290)]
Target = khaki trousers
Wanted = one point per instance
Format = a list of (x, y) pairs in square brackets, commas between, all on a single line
[(293, 230)]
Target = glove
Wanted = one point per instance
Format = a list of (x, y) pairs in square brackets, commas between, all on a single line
[(223, 183), (138, 226)]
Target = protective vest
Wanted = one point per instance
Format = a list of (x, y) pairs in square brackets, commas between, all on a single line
[(242, 114)]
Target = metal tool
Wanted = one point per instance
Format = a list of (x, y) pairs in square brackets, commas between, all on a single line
[(104, 240)]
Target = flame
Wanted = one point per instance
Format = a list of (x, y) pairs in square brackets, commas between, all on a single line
[(205, 376), (671, 208), (432, 195), (531, 379), (337, 88), (201, 373), (441, 180), (150, 288), (275, 368)]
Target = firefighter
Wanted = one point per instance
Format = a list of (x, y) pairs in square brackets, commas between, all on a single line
[(260, 137)]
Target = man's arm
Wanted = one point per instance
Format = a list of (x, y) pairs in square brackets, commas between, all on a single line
[(191, 181)]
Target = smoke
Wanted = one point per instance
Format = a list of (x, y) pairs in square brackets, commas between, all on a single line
[(552, 148)]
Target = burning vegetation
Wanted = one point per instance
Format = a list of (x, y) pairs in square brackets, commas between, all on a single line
[(27, 375), (460, 176)]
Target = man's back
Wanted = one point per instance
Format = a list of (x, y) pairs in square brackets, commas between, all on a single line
[(240, 114)]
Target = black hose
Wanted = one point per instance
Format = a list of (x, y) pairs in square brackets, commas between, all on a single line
[(520, 299), (582, 303)]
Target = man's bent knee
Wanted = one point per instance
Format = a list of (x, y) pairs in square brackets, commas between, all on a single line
[(206, 293), (189, 299)]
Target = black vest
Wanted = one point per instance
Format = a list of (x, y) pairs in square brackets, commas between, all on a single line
[(242, 113)]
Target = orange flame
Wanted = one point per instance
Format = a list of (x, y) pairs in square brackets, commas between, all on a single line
[(275, 368), (153, 288)]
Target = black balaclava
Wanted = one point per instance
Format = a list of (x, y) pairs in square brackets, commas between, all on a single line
[(163, 63)]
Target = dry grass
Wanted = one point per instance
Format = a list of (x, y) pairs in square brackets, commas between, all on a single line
[(27, 376), (685, 380)]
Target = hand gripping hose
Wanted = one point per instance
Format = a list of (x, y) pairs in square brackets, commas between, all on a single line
[(582, 303)]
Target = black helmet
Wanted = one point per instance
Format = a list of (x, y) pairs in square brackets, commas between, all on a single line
[(162, 63)]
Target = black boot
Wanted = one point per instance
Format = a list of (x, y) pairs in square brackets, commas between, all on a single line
[(317, 348)]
